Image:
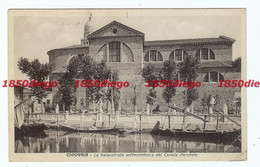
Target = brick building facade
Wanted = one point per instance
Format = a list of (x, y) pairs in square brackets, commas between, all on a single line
[(124, 49)]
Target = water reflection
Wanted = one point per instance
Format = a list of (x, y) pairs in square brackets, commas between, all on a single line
[(62, 142)]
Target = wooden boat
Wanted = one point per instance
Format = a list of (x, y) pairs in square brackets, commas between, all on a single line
[(30, 130), (23, 129), (91, 130), (198, 135)]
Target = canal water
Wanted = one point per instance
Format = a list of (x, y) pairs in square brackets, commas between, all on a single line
[(64, 142)]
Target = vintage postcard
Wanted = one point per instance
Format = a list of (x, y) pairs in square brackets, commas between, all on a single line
[(127, 85)]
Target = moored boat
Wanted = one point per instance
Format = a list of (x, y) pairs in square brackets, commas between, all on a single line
[(91, 130), (198, 135), (23, 129), (30, 130)]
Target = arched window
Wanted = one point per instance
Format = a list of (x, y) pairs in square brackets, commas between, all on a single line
[(160, 58), (153, 55), (205, 54), (102, 53), (146, 57), (114, 52), (213, 77), (178, 55), (211, 55), (171, 57), (127, 54)]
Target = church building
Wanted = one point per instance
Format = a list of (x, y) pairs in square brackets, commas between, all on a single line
[(125, 49)]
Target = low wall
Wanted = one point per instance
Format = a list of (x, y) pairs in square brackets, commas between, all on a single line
[(137, 122)]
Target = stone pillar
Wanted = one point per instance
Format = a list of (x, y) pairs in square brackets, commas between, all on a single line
[(148, 109)]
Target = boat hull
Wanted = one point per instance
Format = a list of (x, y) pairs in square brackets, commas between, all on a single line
[(201, 136), (74, 129), (31, 130)]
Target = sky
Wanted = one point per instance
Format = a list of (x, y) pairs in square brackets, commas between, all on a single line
[(37, 32)]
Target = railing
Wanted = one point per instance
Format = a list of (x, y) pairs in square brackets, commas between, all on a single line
[(137, 121)]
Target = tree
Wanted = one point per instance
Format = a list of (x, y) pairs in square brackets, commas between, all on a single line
[(91, 70), (148, 73), (66, 89), (168, 73), (101, 72), (113, 94), (204, 101), (35, 71), (236, 64), (86, 69), (135, 82), (133, 99), (189, 69)]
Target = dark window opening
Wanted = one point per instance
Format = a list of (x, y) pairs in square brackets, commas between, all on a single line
[(221, 78), (171, 57), (153, 55), (114, 51), (146, 57), (204, 54), (212, 55), (160, 58), (206, 78), (178, 55), (213, 77), (114, 31)]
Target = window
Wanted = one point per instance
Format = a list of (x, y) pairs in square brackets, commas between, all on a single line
[(206, 78), (211, 55), (171, 56), (146, 57), (153, 55), (160, 58), (213, 77), (80, 56), (114, 52), (114, 30), (221, 78), (178, 55), (48, 102), (205, 54)]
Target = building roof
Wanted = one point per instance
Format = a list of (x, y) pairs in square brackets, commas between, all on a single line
[(197, 41), (63, 50), (75, 46), (215, 63), (136, 32)]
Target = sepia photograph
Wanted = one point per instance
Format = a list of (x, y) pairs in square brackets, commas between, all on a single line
[(127, 84)]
